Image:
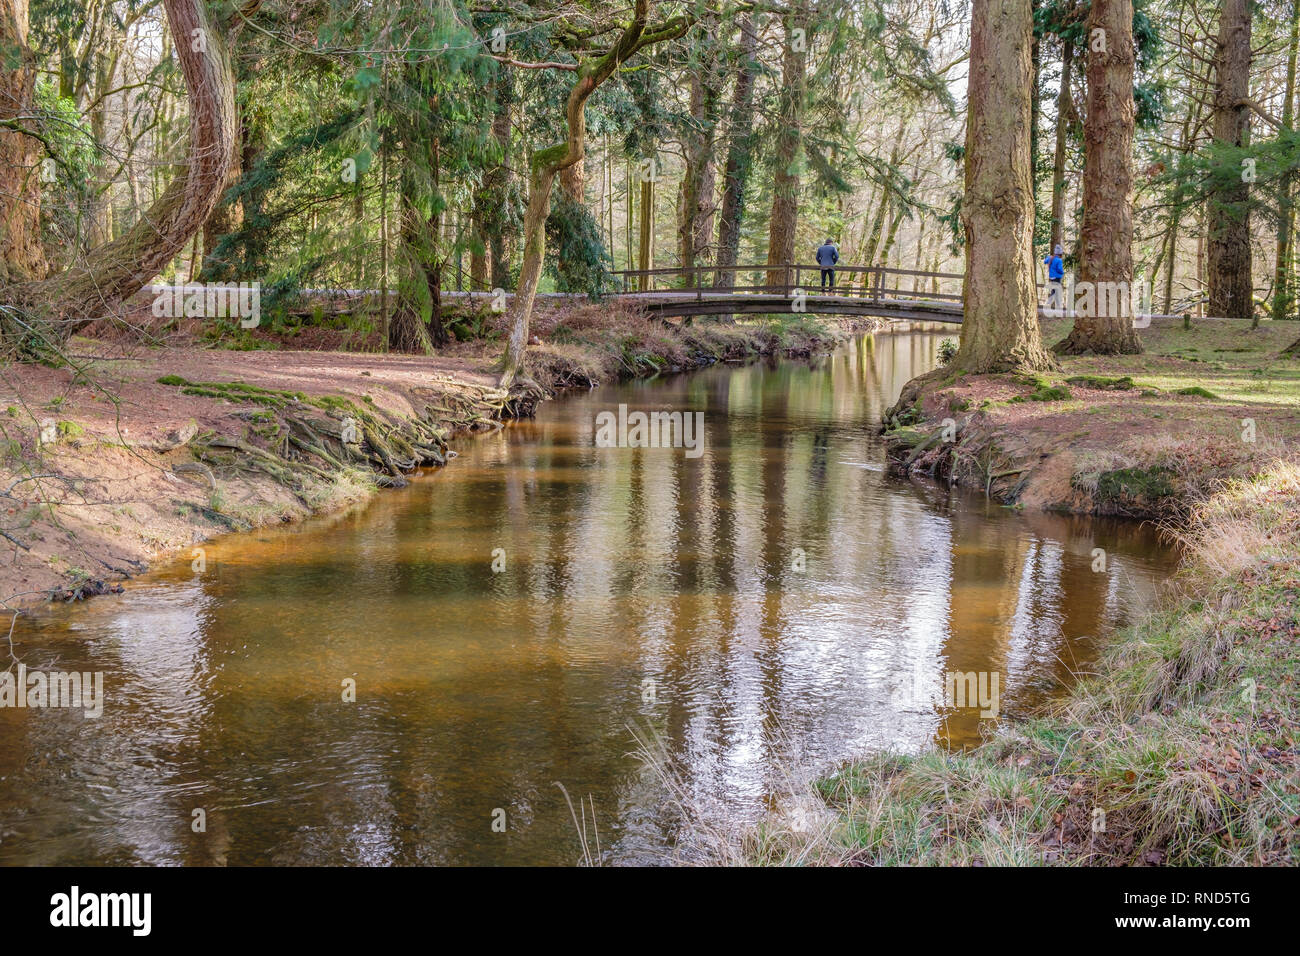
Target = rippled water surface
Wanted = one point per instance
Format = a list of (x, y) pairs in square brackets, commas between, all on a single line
[(777, 601)]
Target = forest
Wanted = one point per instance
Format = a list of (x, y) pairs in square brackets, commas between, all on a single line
[(531, 432), (416, 148)]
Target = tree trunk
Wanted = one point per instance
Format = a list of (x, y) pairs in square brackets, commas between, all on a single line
[(1229, 267), (1104, 322), (1000, 328), (870, 252), (1064, 109), (1186, 144), (699, 184), (114, 272), (478, 256), (228, 217), (877, 229), (789, 141), (546, 164), (894, 222), (919, 265), (740, 154), (646, 234), (1171, 252), (1283, 277), (1035, 111), (573, 180), (407, 331), (21, 256), (497, 184), (417, 323)]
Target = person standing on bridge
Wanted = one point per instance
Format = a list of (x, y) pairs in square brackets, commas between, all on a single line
[(827, 256), (1055, 273)]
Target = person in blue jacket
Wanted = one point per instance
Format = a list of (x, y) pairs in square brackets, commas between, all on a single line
[(827, 256), (1055, 273)]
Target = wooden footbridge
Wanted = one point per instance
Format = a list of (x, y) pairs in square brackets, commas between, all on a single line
[(904, 294)]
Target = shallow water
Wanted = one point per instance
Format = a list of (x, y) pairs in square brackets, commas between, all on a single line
[(777, 602)]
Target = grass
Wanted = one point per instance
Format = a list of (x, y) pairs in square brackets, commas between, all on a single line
[(1225, 358)]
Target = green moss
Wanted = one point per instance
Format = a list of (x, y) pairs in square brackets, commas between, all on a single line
[(1046, 393), (905, 437), (1102, 382), (1196, 390), (69, 429), (1134, 483), (1043, 390), (549, 156)]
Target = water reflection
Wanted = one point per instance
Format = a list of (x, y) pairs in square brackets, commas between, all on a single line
[(777, 600)]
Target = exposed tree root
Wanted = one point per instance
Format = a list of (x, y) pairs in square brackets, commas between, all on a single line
[(317, 438)]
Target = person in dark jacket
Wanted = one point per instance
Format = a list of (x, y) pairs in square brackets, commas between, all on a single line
[(827, 256)]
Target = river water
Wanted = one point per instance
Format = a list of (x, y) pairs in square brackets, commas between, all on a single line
[(518, 619)]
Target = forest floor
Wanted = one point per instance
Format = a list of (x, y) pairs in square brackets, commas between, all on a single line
[(133, 451), (1180, 746), (1140, 435)]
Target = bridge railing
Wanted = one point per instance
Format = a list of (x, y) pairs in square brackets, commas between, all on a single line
[(869, 282)]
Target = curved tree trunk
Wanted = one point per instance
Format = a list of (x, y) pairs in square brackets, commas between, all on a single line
[(546, 164), (999, 331), (1104, 324), (21, 256), (573, 181), (114, 272)]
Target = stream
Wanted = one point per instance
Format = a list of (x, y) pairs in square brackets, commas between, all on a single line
[(769, 603)]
